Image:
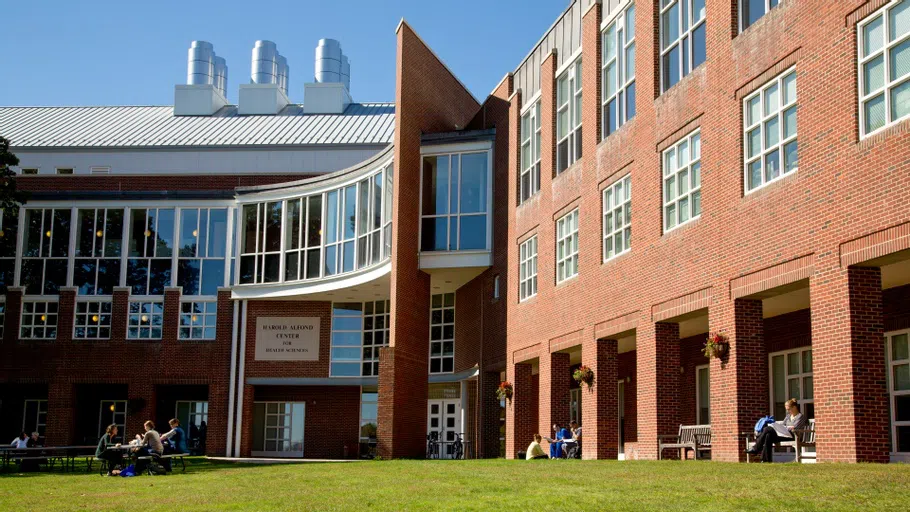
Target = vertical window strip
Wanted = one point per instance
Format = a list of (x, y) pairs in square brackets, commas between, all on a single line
[(568, 117), (530, 152), (98, 251), (884, 67), (769, 116), (682, 181), (682, 39), (202, 249), (442, 333), (618, 72), (376, 331), (527, 286), (567, 246), (45, 250), (617, 218)]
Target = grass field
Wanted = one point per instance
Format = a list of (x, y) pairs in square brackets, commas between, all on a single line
[(472, 485)]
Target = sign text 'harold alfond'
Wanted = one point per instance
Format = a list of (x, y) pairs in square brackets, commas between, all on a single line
[(287, 339)]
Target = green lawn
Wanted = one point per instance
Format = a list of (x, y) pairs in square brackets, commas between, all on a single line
[(473, 485)]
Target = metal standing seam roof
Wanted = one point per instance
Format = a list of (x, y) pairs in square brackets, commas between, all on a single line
[(157, 126)]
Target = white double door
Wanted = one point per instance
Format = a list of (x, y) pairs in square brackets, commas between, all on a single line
[(444, 418)]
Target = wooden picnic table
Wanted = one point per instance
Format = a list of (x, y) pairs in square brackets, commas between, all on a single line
[(67, 455)]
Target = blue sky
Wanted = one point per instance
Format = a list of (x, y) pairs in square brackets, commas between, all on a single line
[(132, 53)]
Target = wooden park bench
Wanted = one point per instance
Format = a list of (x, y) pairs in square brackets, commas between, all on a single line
[(802, 438), (691, 437), (159, 458)]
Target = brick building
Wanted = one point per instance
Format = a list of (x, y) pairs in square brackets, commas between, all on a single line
[(363, 280)]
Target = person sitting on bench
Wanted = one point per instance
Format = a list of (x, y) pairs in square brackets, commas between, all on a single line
[(556, 445), (773, 434), (534, 449), (176, 441), (107, 449), (150, 442), (21, 441)]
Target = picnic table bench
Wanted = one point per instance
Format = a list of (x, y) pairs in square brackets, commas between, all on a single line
[(49, 455), (690, 437), (802, 438), (159, 458)]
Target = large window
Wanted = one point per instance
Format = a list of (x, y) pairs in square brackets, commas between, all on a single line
[(442, 333), (682, 181), (145, 320), (530, 152), (617, 212), (527, 252), (898, 376), (278, 428), (884, 66), (34, 417), (9, 227), (198, 320), (703, 395), (45, 250), (369, 415), (92, 320), (99, 244), (151, 249), (319, 235), (194, 417), (770, 131), (619, 71), (202, 250), (455, 202), (39, 320), (567, 246), (751, 10), (359, 330), (791, 377), (568, 117), (682, 39), (112, 412)]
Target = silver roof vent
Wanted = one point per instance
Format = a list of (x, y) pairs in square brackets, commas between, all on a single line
[(345, 72), (330, 94), (328, 61), (206, 82), (268, 66)]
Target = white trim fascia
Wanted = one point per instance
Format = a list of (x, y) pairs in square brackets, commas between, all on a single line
[(326, 284), (455, 259), (529, 103), (456, 147)]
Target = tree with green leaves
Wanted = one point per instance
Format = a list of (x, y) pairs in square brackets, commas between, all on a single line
[(10, 197)]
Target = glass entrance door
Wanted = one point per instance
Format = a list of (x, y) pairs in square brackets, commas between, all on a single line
[(193, 418), (444, 418), (897, 348)]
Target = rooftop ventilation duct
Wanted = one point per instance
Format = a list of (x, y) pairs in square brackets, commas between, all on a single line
[(330, 94), (267, 92), (206, 82)]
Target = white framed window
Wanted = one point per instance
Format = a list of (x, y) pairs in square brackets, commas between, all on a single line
[(303, 238), (751, 10), (575, 405), (193, 415), (791, 377), (568, 117), (527, 269), (359, 329), (145, 320), (442, 333), (29, 171), (9, 231), (567, 246), (34, 417), (201, 250), (112, 412), (92, 320), (618, 69), (278, 428), (682, 181), (66, 170), (99, 247), (376, 331), (369, 414), (45, 250), (884, 67), (703, 394), (617, 216), (769, 117), (198, 320), (39, 320), (530, 152), (456, 200), (682, 39), (151, 247), (897, 345)]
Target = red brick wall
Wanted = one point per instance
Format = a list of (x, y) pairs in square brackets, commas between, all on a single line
[(843, 190)]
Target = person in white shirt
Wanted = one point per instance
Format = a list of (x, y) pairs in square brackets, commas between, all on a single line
[(21, 441)]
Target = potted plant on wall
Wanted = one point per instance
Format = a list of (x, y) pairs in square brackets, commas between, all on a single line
[(504, 391), (584, 375), (716, 345)]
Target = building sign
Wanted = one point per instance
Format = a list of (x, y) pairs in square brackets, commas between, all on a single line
[(287, 339)]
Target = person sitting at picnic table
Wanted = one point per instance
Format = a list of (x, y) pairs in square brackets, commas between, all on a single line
[(21, 441), (33, 441), (556, 445), (534, 450), (176, 441), (769, 436), (571, 445), (149, 443), (109, 451)]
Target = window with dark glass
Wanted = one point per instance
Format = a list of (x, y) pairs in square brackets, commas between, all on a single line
[(455, 202), (751, 10), (442, 333), (99, 246), (682, 39), (45, 254), (202, 250), (9, 229), (151, 246)]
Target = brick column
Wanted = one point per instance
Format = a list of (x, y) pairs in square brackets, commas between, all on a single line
[(171, 313), (548, 120), (554, 391), (851, 396), (739, 380), (591, 79), (657, 345), (599, 403), (66, 305), (219, 383), (120, 307), (489, 412), (521, 425), (60, 413), (12, 316)]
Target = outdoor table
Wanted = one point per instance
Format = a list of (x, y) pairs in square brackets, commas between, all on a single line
[(66, 454)]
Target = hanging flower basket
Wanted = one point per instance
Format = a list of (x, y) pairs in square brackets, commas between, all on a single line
[(716, 345), (584, 375), (504, 391)]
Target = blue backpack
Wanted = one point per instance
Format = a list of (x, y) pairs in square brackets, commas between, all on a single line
[(763, 422)]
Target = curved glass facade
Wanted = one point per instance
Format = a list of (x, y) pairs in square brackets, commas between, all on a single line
[(317, 235)]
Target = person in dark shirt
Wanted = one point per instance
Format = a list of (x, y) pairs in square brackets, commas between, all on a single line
[(768, 437), (109, 451)]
